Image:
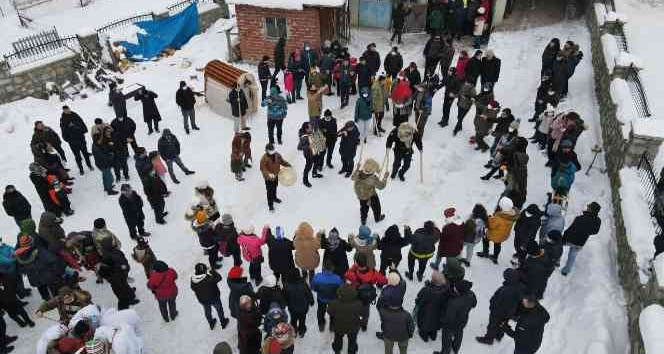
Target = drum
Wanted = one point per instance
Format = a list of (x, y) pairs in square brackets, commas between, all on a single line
[(287, 176)]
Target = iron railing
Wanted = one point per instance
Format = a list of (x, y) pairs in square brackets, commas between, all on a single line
[(35, 40), (653, 190), (183, 4), (42, 51), (26, 4), (125, 22), (638, 93)]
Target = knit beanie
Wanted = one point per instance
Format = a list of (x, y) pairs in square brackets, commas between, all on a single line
[(449, 212), (594, 208), (248, 230), (201, 217), (364, 232), (226, 219), (125, 188), (99, 223), (235, 272), (222, 348), (505, 204), (200, 268), (245, 301)]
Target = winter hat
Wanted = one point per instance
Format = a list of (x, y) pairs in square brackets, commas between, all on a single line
[(515, 124), (438, 278), (481, 10), (534, 210), (226, 219), (327, 113), (222, 348), (532, 248), (182, 84), (235, 272), (279, 232), (505, 203), (202, 184), (393, 278), (125, 188), (370, 166), (99, 223), (305, 230), (464, 286), (364, 232), (333, 239), (453, 269), (248, 230), (281, 329), (10, 188), (594, 208), (449, 212), (269, 148), (25, 241), (200, 268), (270, 281), (160, 266), (201, 217)]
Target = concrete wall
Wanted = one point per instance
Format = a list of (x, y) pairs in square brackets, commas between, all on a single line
[(210, 14), (303, 26)]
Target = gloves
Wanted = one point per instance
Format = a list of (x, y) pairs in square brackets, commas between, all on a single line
[(271, 175)]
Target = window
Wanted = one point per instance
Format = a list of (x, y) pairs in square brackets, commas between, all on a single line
[(276, 27)]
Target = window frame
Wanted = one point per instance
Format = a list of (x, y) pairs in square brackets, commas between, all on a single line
[(269, 21)]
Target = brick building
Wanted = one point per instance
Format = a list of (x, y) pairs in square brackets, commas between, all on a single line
[(262, 22)]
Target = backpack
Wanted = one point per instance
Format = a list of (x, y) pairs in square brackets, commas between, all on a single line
[(366, 292), (564, 177)]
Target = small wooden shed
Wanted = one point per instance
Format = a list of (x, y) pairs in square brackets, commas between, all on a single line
[(219, 80)]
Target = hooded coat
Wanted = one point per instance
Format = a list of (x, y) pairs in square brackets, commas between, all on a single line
[(500, 225), (162, 281), (298, 296), (430, 302), (306, 247), (455, 316), (248, 330), (132, 208), (280, 253), (366, 246), (267, 295), (423, 241), (336, 250), (536, 272), (396, 324), (366, 184), (250, 244), (345, 311), (451, 239), (553, 220), (391, 244), (16, 205), (41, 266), (505, 301), (526, 226), (51, 231), (326, 284), (529, 329), (237, 288), (277, 107)]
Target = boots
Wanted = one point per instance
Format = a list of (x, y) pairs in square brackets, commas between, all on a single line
[(484, 340)]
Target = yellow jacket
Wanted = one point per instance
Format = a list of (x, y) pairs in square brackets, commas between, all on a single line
[(500, 225)]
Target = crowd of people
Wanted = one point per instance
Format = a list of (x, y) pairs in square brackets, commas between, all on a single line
[(343, 292)]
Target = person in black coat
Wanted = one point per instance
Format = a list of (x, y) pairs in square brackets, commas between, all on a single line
[(413, 75), (73, 132), (363, 74), (123, 134), (169, 149), (268, 293), (561, 74), (393, 63), (155, 190), (118, 100), (151, 114), (577, 234), (489, 70), (474, 68), (104, 155), (452, 87), (390, 248), (238, 102), (328, 125), (549, 54), (204, 283), (38, 178), (529, 330), (335, 251), (503, 305), (238, 286), (399, 14), (350, 139), (280, 253), (132, 210), (226, 231), (16, 205), (299, 299), (142, 162), (403, 150), (373, 58), (545, 95), (455, 317), (264, 76), (185, 98), (11, 304), (536, 270), (279, 59), (43, 136), (525, 229), (115, 269), (429, 305)]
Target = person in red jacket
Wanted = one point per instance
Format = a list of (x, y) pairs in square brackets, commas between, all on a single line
[(365, 280), (162, 283), (451, 237)]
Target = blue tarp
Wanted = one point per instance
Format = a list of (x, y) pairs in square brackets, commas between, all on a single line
[(171, 32)]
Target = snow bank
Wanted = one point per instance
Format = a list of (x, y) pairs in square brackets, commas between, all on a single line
[(290, 4), (611, 50), (612, 16), (600, 13), (638, 224), (658, 267), (625, 59), (651, 322), (648, 127), (622, 97)]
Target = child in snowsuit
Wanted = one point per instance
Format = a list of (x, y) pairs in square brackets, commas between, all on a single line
[(58, 194)]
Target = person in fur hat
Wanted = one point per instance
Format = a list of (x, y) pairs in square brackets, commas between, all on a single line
[(365, 184), (499, 228), (250, 244), (390, 248), (240, 153), (336, 249), (280, 253), (306, 246), (403, 138), (451, 237), (204, 284), (364, 243)]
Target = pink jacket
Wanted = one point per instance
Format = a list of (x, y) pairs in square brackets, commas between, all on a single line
[(251, 245), (158, 166), (288, 82), (558, 127)]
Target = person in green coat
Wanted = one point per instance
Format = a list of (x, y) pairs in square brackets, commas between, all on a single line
[(436, 21), (363, 113), (378, 103)]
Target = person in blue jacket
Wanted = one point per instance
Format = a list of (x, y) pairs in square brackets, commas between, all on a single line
[(325, 284), (277, 109)]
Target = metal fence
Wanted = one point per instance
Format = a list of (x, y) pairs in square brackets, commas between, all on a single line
[(26, 4), (125, 22), (653, 188), (42, 51), (37, 39), (183, 4)]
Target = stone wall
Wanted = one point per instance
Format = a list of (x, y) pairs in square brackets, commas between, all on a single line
[(211, 14), (617, 144)]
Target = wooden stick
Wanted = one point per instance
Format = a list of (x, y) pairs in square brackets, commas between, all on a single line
[(421, 169)]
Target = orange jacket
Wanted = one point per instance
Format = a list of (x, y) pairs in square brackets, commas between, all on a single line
[(500, 225)]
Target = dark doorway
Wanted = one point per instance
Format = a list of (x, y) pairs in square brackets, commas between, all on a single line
[(536, 13)]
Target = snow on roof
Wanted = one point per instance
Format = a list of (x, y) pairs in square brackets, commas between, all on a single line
[(651, 321), (289, 4)]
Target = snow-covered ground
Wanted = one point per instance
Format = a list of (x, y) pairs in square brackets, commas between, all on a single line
[(587, 307)]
